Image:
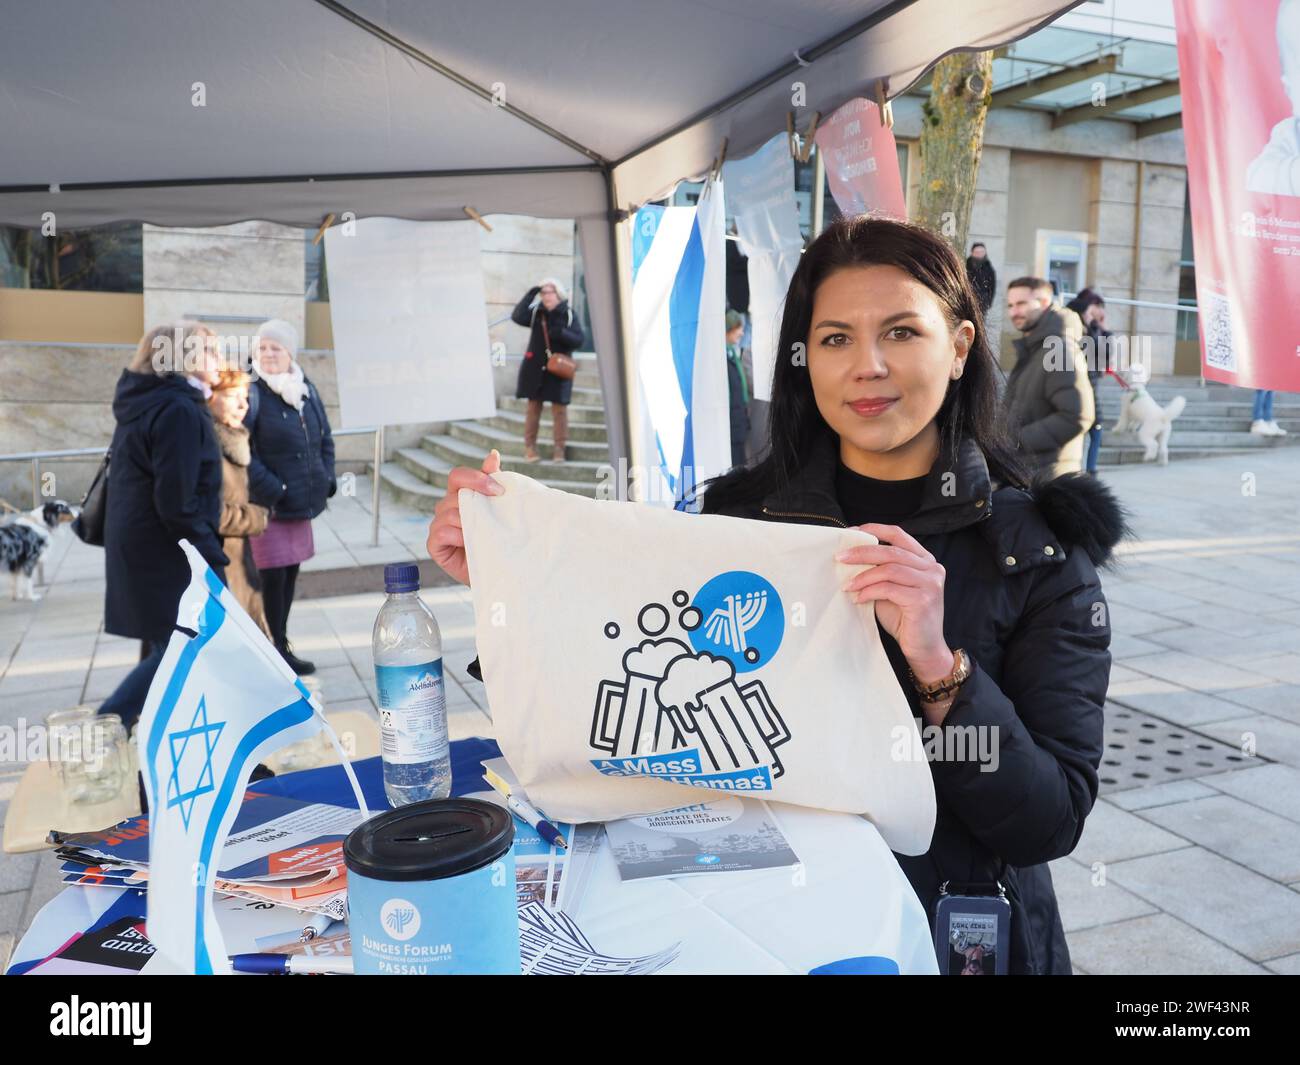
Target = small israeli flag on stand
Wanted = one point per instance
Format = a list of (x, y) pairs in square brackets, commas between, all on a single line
[(222, 701)]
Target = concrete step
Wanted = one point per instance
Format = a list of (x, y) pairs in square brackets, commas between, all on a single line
[(513, 422), (512, 444), (419, 479), (1189, 421), (580, 410), (1209, 409), (460, 453), (409, 488), (1125, 456), (1244, 440)]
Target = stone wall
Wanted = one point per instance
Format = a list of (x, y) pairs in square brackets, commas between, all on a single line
[(250, 271)]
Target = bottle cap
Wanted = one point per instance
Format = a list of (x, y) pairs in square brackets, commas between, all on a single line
[(401, 577)]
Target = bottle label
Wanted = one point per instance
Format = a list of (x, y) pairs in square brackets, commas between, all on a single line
[(412, 713)]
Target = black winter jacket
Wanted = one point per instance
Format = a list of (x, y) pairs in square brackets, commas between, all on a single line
[(1023, 598), (164, 485), (984, 280), (566, 337), (292, 465)]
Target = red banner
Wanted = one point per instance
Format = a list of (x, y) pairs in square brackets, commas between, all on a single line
[(862, 161), (1243, 168)]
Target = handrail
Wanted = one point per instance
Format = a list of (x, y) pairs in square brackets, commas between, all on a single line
[(37, 457), (1191, 308)]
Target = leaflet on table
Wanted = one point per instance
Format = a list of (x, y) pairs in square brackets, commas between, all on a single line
[(273, 839), (313, 895), (539, 866), (584, 845), (75, 872), (728, 835), (551, 944), (114, 943)]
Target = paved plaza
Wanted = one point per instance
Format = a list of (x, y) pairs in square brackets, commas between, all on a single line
[(1180, 870)]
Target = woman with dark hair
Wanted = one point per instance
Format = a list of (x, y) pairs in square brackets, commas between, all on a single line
[(885, 416), (983, 278), (1091, 309)]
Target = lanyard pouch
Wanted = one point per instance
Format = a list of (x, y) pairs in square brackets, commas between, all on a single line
[(972, 930)]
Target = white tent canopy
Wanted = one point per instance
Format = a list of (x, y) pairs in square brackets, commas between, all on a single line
[(582, 109)]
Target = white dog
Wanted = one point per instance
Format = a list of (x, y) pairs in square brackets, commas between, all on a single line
[(24, 539), (1139, 413)]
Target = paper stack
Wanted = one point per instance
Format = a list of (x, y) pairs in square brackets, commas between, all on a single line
[(281, 851)]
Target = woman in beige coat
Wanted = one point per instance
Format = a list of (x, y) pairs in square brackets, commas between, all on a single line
[(240, 519)]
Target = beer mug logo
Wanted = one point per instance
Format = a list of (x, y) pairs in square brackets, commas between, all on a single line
[(679, 711)]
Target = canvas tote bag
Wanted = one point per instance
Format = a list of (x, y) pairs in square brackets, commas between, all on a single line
[(638, 659)]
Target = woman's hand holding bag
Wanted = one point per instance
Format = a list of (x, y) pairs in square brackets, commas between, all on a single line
[(446, 543)]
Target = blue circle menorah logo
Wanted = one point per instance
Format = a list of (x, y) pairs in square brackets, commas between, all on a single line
[(741, 618)]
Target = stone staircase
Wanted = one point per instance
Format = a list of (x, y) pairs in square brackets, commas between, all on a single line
[(1215, 421), (418, 475)]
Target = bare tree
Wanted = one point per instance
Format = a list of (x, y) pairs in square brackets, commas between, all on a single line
[(952, 140)]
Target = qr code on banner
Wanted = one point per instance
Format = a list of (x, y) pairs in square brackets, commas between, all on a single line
[(1216, 325)]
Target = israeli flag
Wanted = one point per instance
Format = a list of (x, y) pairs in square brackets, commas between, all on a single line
[(678, 310), (222, 701)]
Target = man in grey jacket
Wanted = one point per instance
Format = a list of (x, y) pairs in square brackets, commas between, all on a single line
[(1048, 400)]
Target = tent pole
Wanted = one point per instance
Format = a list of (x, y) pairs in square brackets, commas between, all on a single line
[(627, 445)]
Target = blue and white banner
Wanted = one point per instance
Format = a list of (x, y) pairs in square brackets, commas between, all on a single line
[(222, 701), (678, 308), (767, 230)]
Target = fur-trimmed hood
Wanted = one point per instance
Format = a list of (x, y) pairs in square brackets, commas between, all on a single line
[(234, 443), (1082, 510)]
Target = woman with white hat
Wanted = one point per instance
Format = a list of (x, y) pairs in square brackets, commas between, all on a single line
[(552, 330), (291, 471)]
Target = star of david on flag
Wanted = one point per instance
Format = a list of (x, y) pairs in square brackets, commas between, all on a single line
[(222, 701), (195, 778)]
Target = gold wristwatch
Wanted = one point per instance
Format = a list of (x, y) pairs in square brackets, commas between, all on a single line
[(942, 689)]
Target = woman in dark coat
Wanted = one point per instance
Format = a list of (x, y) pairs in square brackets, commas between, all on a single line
[(893, 425), (290, 471), (545, 313), (983, 278), (985, 588), (164, 486), (1091, 309), (737, 388)]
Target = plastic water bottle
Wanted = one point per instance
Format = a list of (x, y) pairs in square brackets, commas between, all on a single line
[(412, 705)]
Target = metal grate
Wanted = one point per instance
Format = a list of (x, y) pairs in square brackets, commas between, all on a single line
[(1141, 750)]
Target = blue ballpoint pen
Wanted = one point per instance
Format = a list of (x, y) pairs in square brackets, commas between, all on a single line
[(289, 963)]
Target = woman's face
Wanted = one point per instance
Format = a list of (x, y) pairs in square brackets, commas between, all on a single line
[(880, 355), (208, 363), (272, 356), (550, 298), (229, 406)]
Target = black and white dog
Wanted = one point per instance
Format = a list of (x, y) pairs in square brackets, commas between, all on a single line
[(24, 539)]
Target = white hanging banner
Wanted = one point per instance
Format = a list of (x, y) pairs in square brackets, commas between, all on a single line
[(767, 229), (409, 314)]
